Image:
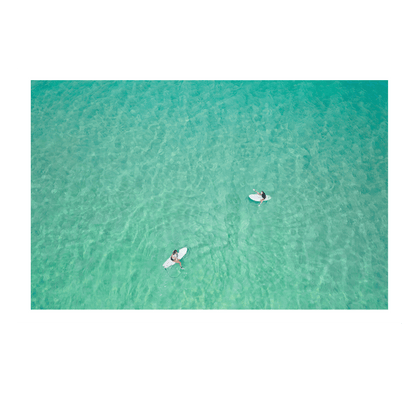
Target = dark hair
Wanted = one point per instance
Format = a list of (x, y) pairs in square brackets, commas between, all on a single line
[(263, 194), (175, 251)]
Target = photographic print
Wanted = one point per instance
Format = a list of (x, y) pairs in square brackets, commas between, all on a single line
[(209, 195)]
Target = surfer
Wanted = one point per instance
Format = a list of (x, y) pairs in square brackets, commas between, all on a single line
[(262, 194), (174, 257)]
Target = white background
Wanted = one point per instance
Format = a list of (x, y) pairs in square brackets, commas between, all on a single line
[(25, 316)]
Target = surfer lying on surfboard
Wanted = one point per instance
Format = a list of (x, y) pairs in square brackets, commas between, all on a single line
[(174, 257), (262, 194)]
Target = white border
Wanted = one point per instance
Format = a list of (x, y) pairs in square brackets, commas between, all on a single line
[(404, 194), (25, 316), (13, 202)]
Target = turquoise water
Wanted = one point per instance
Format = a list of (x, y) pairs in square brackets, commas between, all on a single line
[(123, 173)]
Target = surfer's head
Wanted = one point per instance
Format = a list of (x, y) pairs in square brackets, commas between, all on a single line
[(175, 251)]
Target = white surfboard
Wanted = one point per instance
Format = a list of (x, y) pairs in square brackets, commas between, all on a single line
[(258, 198), (169, 262)]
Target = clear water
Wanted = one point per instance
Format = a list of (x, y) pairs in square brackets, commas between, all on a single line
[(123, 173)]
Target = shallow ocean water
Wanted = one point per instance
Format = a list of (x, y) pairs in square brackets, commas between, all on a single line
[(125, 172)]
